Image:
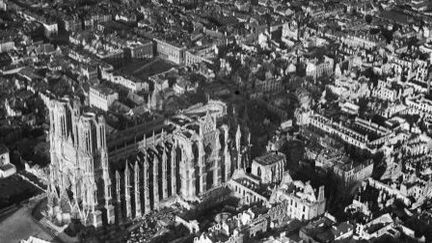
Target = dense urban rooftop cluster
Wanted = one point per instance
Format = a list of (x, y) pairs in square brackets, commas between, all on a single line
[(217, 121)]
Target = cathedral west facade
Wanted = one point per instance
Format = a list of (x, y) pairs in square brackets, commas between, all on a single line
[(79, 179), (103, 179)]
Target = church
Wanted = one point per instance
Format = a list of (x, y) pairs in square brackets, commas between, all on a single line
[(103, 178)]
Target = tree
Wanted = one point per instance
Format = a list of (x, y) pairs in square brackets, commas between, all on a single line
[(339, 194), (330, 96), (368, 18), (379, 165), (362, 103), (388, 34)]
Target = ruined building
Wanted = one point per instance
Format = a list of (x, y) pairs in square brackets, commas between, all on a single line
[(104, 178)]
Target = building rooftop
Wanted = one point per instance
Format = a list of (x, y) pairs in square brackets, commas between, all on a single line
[(7, 167), (254, 186), (270, 158), (103, 89)]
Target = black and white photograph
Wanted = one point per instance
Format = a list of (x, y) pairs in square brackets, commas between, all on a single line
[(215, 121)]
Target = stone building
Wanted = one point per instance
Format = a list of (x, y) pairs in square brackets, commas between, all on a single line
[(169, 51), (6, 168), (79, 165), (237, 229), (253, 188), (103, 179), (248, 189), (303, 201), (316, 68), (269, 167), (140, 49), (246, 226), (354, 172), (102, 97)]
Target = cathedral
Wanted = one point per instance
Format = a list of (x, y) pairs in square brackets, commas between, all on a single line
[(103, 178)]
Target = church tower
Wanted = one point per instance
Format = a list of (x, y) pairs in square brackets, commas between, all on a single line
[(80, 185)]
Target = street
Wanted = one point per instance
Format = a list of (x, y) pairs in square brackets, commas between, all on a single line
[(21, 225)]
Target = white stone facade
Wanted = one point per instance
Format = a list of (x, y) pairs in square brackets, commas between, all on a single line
[(79, 165), (194, 157), (302, 200), (102, 97)]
